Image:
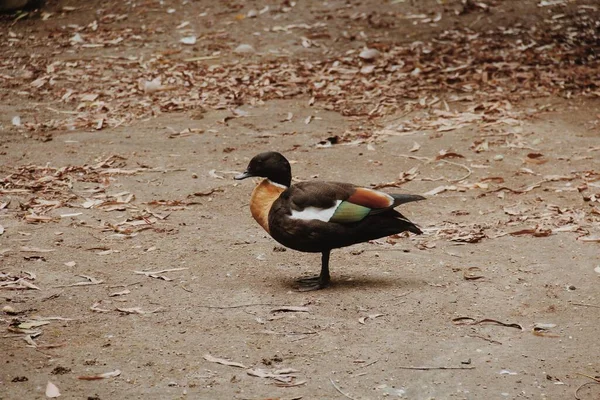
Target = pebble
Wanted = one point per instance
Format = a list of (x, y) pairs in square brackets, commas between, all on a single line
[(244, 49), (9, 310), (190, 40), (369, 54), (498, 157)]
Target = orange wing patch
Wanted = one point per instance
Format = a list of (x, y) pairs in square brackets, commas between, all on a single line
[(263, 197), (371, 198)]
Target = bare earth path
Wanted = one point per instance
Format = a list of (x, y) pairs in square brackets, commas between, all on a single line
[(126, 249)]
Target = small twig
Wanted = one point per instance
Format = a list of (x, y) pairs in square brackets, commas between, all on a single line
[(589, 376), (486, 339), (156, 274), (62, 112), (125, 285), (585, 305), (186, 289), (462, 166), (423, 159), (242, 306), (431, 368), (582, 386), (363, 366), (203, 58), (300, 338), (162, 271), (340, 390)]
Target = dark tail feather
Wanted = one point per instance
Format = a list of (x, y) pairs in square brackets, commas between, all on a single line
[(414, 229), (408, 224), (405, 198)]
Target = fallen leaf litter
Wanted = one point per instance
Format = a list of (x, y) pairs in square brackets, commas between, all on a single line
[(537, 67)]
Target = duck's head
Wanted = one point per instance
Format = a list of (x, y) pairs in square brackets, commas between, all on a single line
[(270, 165)]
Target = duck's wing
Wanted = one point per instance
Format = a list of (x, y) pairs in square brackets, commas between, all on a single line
[(340, 202)]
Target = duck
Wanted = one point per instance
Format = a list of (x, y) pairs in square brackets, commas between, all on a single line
[(319, 216)]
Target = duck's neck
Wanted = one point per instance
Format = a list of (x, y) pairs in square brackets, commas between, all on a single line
[(263, 197), (285, 179), (283, 176)]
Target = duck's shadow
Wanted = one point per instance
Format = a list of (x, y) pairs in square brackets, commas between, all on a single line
[(345, 283)]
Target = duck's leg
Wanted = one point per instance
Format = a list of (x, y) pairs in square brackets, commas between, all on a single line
[(317, 282)]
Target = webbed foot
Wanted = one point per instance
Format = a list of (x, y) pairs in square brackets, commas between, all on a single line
[(312, 283)]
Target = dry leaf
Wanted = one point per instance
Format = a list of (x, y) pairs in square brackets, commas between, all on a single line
[(437, 190), (473, 321), (472, 274), (105, 375), (536, 232), (362, 320), (535, 158), (90, 281), (137, 310), (208, 193), (495, 179), (474, 235), (96, 308), (422, 245), (281, 375), (448, 154), (35, 250), (157, 274), (290, 309), (122, 293), (222, 361), (288, 118), (213, 174), (543, 329), (32, 324)]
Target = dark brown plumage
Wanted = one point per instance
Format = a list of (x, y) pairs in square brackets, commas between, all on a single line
[(321, 216)]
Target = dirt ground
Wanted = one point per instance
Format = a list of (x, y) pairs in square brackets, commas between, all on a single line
[(109, 177)]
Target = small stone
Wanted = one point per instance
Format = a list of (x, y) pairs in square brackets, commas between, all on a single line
[(76, 38), (9, 310), (498, 157), (191, 40), (367, 69), (244, 49), (416, 72), (152, 86), (369, 54)]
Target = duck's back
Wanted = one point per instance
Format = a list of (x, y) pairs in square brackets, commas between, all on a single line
[(315, 216)]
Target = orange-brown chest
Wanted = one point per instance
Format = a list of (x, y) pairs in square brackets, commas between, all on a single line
[(263, 197)]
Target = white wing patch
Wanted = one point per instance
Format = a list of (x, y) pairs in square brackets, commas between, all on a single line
[(322, 214)]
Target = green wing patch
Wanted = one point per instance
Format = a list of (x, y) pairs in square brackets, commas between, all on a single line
[(349, 212)]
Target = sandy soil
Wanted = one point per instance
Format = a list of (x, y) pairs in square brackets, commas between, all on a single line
[(497, 300)]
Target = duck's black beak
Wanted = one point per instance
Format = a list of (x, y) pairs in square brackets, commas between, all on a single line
[(243, 175)]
